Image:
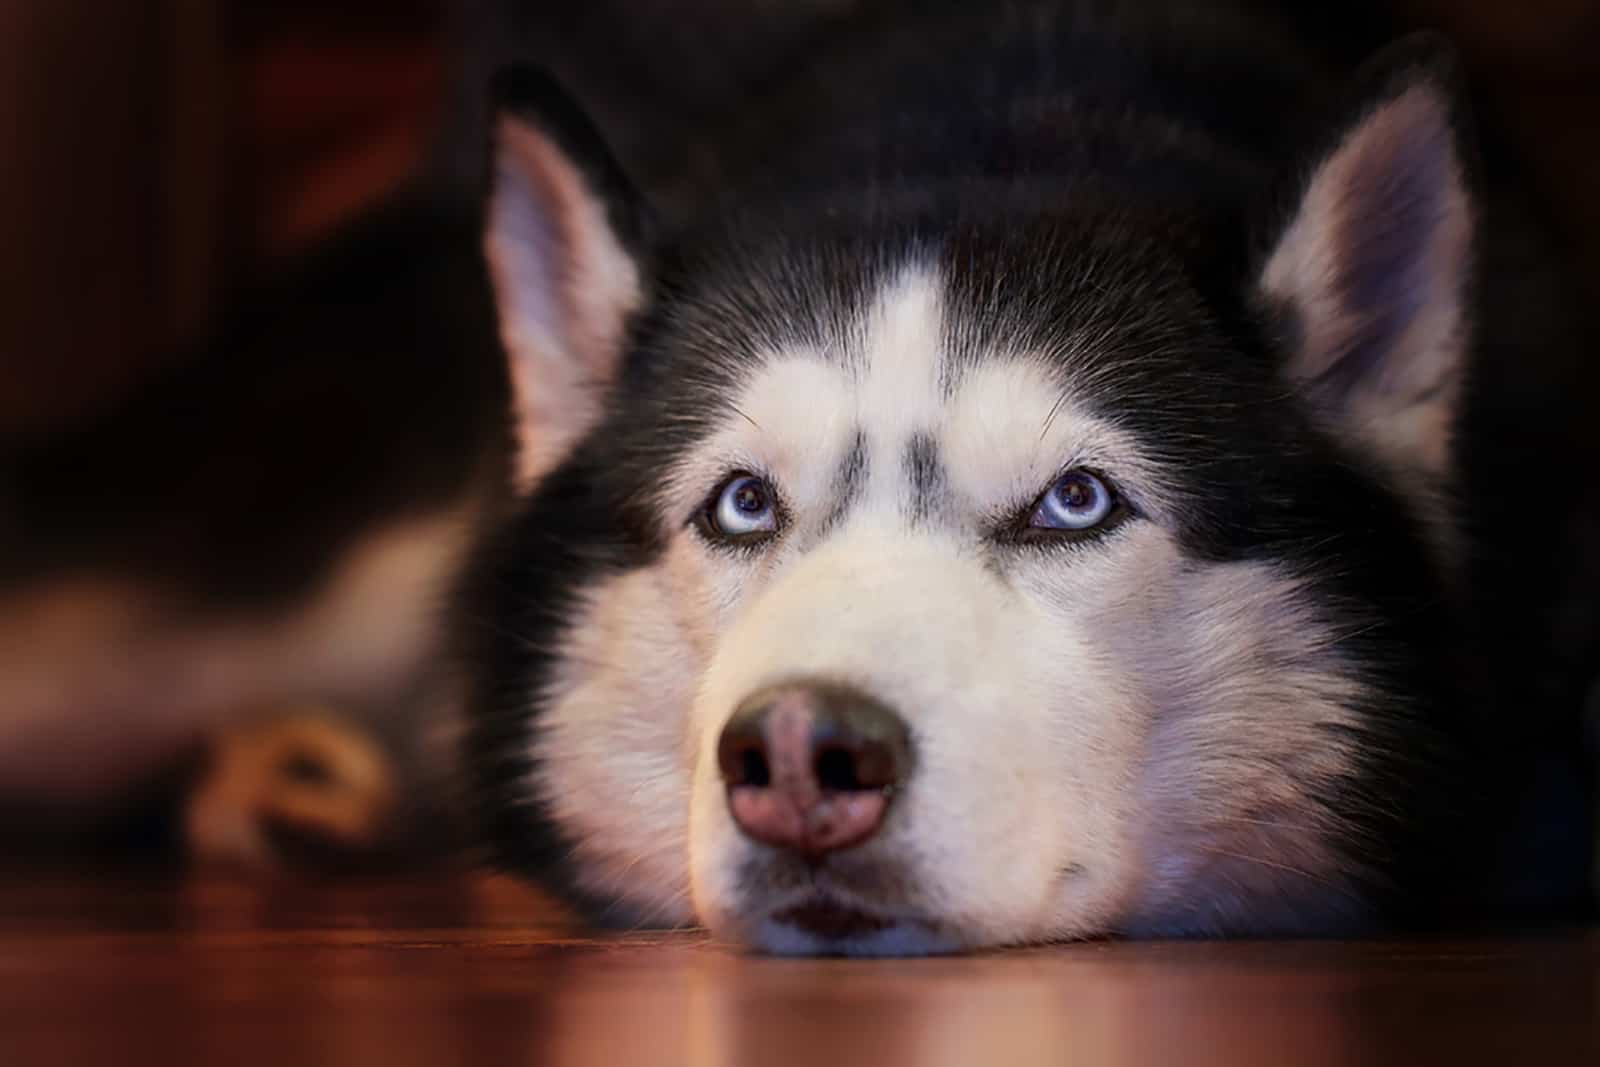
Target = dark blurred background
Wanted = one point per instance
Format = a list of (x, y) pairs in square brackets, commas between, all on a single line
[(159, 154)]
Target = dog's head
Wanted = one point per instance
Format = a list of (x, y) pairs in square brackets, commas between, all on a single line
[(1002, 570)]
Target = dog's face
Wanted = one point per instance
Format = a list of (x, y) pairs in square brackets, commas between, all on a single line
[(993, 579)]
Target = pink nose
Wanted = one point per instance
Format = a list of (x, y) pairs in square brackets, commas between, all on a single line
[(812, 767)]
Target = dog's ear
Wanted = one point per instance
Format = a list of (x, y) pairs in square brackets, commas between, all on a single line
[(562, 236), (1371, 266)]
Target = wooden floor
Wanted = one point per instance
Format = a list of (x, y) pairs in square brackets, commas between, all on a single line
[(481, 972)]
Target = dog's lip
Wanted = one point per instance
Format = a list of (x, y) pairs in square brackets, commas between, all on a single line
[(827, 916)]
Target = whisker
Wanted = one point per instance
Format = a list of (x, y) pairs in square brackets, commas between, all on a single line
[(1287, 868)]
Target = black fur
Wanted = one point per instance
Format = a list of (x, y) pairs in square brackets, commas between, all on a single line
[(528, 581)]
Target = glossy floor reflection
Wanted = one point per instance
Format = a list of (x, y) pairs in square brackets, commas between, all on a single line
[(478, 971)]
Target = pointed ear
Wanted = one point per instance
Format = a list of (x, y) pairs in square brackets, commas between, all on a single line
[(563, 230), (1370, 271)]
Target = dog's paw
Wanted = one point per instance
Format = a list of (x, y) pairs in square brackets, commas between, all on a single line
[(298, 789)]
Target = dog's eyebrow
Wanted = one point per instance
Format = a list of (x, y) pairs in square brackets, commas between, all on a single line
[(850, 480), (925, 471)]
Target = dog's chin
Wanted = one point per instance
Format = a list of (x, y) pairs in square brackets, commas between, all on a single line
[(825, 925)]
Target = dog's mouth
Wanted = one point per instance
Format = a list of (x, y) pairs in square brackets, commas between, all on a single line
[(824, 916), (823, 924), (793, 909)]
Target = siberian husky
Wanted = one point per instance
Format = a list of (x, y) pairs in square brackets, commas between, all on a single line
[(1015, 484)]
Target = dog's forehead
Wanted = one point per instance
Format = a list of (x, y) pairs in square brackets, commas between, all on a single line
[(914, 393)]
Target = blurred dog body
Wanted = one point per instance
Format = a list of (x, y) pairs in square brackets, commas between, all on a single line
[(102, 680), (270, 525)]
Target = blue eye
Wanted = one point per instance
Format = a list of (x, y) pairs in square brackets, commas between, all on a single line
[(745, 507), (1078, 501)]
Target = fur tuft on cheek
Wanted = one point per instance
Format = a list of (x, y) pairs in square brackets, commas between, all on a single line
[(612, 748), (1257, 733)]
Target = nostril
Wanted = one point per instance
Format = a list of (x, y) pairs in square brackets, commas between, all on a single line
[(742, 754), (753, 769), (835, 769)]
